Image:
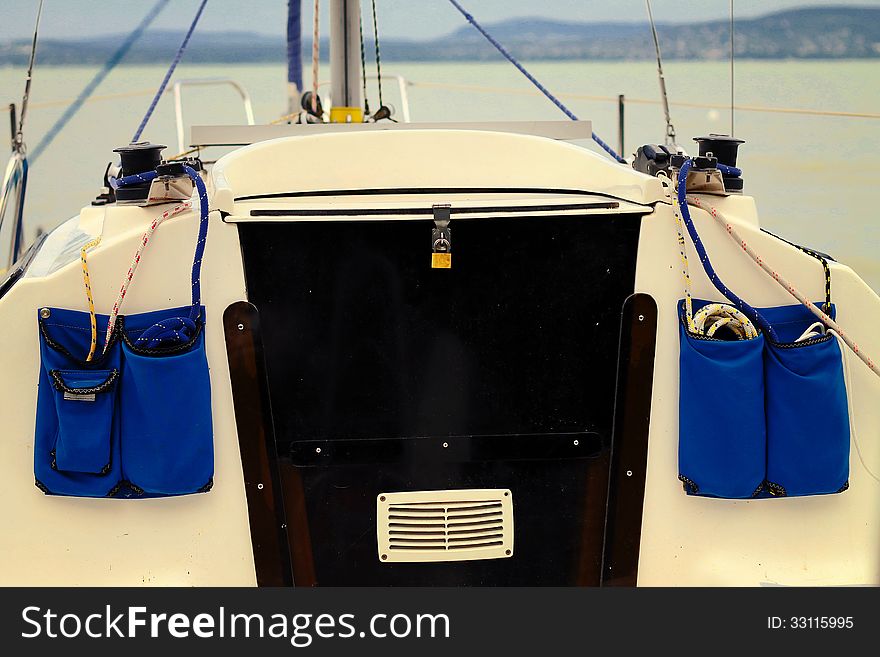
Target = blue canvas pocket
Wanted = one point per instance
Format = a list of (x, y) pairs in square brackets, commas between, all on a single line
[(722, 437), (84, 402), (808, 434), (165, 404), (76, 441)]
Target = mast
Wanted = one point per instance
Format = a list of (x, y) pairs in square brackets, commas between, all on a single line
[(294, 54), (345, 63)]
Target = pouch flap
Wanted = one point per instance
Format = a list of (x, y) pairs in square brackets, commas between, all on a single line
[(84, 382)]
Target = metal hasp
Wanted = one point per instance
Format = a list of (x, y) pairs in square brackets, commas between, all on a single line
[(441, 238), (345, 63)]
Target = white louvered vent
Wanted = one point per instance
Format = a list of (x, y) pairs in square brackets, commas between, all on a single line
[(445, 525)]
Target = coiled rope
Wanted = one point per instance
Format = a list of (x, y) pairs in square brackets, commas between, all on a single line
[(531, 78), (169, 73)]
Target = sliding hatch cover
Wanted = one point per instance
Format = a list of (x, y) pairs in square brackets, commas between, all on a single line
[(495, 373)]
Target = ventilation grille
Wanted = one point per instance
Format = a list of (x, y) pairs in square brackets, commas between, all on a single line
[(445, 525)]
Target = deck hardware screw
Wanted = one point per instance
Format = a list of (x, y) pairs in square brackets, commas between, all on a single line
[(445, 445), (45, 313), (641, 318), (506, 493), (507, 552), (259, 486), (241, 327), (317, 450), (629, 473), (576, 443), (382, 498), (384, 557)]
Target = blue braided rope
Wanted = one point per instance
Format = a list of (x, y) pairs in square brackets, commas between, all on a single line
[(745, 308), (133, 179), (553, 99), (729, 170), (175, 330), (200, 244), (168, 74), (93, 84)]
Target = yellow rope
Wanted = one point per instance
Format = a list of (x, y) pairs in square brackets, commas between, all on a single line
[(88, 285), (688, 304), (285, 118)]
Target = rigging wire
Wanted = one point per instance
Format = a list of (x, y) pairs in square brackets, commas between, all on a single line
[(378, 56), (16, 176), (316, 56), (363, 63), (169, 73), (553, 99), (670, 129), (19, 136), (731, 69), (87, 91)]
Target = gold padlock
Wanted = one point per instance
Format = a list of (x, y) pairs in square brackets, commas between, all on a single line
[(441, 238)]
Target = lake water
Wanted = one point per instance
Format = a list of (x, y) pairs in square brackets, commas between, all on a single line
[(811, 175)]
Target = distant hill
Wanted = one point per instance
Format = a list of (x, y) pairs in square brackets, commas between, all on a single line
[(833, 32)]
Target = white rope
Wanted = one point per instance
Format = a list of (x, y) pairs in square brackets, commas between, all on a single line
[(791, 289), (135, 261), (713, 316)]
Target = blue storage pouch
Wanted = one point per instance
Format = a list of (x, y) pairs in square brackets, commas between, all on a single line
[(165, 404), (77, 439), (84, 402), (808, 431), (722, 437)]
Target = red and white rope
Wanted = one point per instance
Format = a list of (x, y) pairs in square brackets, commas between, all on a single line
[(791, 289), (111, 323)]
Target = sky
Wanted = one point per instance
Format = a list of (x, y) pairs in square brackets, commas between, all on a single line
[(414, 19)]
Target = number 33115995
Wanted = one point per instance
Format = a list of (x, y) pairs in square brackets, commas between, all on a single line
[(810, 623)]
